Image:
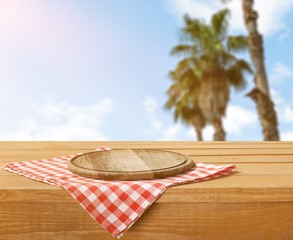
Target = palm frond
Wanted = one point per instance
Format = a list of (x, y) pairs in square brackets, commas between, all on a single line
[(219, 22), (183, 49), (183, 66), (244, 66), (237, 43), (196, 31), (236, 78)]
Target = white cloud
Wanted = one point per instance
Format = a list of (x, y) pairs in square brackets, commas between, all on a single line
[(288, 114), (236, 122), (171, 133), (190, 133), (207, 133), (271, 13), (150, 106), (238, 119), (155, 127), (62, 121), (279, 72), (287, 136)]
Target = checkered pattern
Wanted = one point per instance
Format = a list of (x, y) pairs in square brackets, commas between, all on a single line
[(116, 205)]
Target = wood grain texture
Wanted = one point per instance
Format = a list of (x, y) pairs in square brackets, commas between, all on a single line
[(242, 221), (130, 164), (256, 202), (91, 145)]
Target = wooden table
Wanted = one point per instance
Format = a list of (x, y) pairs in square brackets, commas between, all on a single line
[(256, 202)]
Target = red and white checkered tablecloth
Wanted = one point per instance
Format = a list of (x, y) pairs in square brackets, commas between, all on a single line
[(116, 205)]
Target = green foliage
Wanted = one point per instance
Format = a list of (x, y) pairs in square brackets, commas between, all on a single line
[(183, 96), (202, 80), (183, 49), (237, 43), (219, 23)]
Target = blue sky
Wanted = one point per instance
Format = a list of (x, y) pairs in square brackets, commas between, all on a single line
[(97, 70)]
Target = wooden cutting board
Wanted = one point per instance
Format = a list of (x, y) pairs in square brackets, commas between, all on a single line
[(130, 164)]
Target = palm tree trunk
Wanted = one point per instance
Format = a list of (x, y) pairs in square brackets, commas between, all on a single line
[(265, 109), (219, 134), (198, 132), (267, 115)]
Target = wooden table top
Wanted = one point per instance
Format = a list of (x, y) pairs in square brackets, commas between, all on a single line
[(264, 173)]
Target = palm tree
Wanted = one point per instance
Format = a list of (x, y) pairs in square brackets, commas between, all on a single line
[(260, 94), (183, 98), (210, 53)]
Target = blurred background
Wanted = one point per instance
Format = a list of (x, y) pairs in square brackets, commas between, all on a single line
[(112, 70)]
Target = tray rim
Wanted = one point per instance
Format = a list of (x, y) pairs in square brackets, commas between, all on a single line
[(108, 175), (186, 158)]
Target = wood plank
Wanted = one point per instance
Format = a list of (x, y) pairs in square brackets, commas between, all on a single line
[(40, 153), (235, 151), (34, 221), (279, 159), (243, 188), (231, 181), (264, 169), (199, 158), (90, 145), (255, 202), (242, 168), (176, 194), (36, 153)]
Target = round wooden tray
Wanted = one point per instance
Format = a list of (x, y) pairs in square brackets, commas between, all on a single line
[(130, 164)]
